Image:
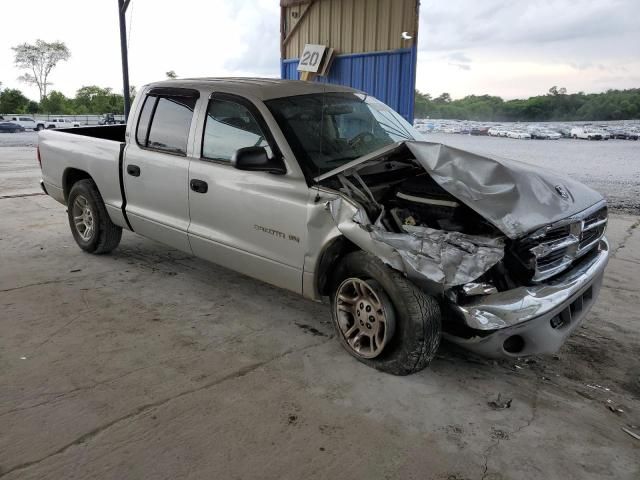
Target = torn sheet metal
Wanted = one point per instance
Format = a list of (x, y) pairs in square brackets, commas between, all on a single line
[(446, 258), (515, 197)]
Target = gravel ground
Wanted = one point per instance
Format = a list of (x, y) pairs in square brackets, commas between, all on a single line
[(611, 167)]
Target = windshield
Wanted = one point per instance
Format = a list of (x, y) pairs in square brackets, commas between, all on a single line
[(327, 130)]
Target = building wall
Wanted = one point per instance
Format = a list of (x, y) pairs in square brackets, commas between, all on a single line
[(371, 54)]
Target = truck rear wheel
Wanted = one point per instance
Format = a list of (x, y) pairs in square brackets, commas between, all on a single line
[(92, 229), (381, 318)]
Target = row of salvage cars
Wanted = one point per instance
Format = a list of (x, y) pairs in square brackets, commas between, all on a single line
[(532, 131)]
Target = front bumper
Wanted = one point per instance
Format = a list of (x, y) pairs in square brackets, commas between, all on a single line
[(535, 319)]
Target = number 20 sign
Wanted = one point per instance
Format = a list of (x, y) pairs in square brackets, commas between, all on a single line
[(311, 58)]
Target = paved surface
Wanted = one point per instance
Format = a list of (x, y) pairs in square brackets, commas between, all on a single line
[(148, 363)]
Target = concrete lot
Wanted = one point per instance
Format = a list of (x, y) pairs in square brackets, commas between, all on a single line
[(148, 363)]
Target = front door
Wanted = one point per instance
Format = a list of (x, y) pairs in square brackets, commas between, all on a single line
[(251, 222), (156, 167)]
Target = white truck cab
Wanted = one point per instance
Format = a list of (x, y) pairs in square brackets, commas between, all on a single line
[(56, 122), (24, 122)]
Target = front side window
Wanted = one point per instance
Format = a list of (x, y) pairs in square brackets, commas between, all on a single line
[(229, 127), (327, 130), (165, 122), (26, 119)]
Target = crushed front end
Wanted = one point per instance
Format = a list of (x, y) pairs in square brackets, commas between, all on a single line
[(515, 256)]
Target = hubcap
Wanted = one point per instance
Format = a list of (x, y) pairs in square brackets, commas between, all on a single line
[(83, 218), (365, 317)]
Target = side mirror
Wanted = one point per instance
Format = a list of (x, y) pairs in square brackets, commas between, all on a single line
[(256, 159)]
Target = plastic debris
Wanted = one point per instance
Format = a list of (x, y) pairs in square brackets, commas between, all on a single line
[(499, 404), (614, 408), (595, 386)]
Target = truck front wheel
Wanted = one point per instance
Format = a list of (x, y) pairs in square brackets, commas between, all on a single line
[(381, 318), (92, 229)]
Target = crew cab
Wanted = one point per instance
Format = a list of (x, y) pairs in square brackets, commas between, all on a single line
[(327, 192), (58, 122)]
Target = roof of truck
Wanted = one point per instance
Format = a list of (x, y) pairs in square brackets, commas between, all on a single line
[(262, 88)]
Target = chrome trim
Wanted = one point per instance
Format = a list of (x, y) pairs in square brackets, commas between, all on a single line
[(505, 309), (595, 224), (577, 226)]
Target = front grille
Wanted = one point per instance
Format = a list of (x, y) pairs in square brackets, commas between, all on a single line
[(554, 248)]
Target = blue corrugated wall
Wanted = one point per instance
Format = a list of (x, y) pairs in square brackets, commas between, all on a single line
[(388, 76)]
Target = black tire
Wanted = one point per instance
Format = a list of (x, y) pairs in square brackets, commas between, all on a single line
[(105, 235), (418, 329), (40, 127)]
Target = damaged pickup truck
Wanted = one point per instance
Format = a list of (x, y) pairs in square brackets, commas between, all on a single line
[(327, 192)]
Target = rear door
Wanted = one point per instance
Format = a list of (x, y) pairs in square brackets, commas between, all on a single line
[(156, 166)]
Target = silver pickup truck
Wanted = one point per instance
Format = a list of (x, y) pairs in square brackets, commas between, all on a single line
[(327, 192)]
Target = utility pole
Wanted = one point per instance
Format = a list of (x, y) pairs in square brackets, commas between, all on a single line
[(122, 9)]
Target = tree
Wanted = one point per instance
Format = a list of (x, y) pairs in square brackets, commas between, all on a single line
[(442, 99), (171, 74), (94, 99), (40, 58), (56, 103), (13, 101)]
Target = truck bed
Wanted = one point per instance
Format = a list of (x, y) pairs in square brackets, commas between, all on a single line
[(105, 132), (82, 152)]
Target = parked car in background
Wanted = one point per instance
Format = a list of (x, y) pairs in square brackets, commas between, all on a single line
[(110, 119), (10, 127), (632, 134), (55, 123), (586, 133), (519, 134), (480, 131), (25, 122)]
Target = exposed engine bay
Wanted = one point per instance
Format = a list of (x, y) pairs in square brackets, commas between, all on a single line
[(400, 205), (445, 243)]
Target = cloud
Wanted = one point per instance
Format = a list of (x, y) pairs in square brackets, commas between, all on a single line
[(459, 60), (522, 48)]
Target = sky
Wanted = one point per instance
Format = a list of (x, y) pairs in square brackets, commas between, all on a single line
[(513, 49)]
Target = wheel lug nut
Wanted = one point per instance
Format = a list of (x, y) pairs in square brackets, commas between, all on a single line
[(372, 319), (361, 305), (368, 308), (368, 325)]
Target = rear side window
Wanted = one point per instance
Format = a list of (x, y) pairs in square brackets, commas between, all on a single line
[(165, 122), (229, 127), (144, 120)]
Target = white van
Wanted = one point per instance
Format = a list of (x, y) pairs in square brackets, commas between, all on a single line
[(25, 122)]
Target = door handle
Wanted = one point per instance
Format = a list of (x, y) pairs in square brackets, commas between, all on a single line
[(199, 186), (133, 170)]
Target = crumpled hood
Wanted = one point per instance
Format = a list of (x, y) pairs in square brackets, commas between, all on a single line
[(515, 197)]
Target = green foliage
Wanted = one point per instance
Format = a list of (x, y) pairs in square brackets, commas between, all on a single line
[(88, 100), (94, 99), (557, 105), (56, 103), (13, 101)]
